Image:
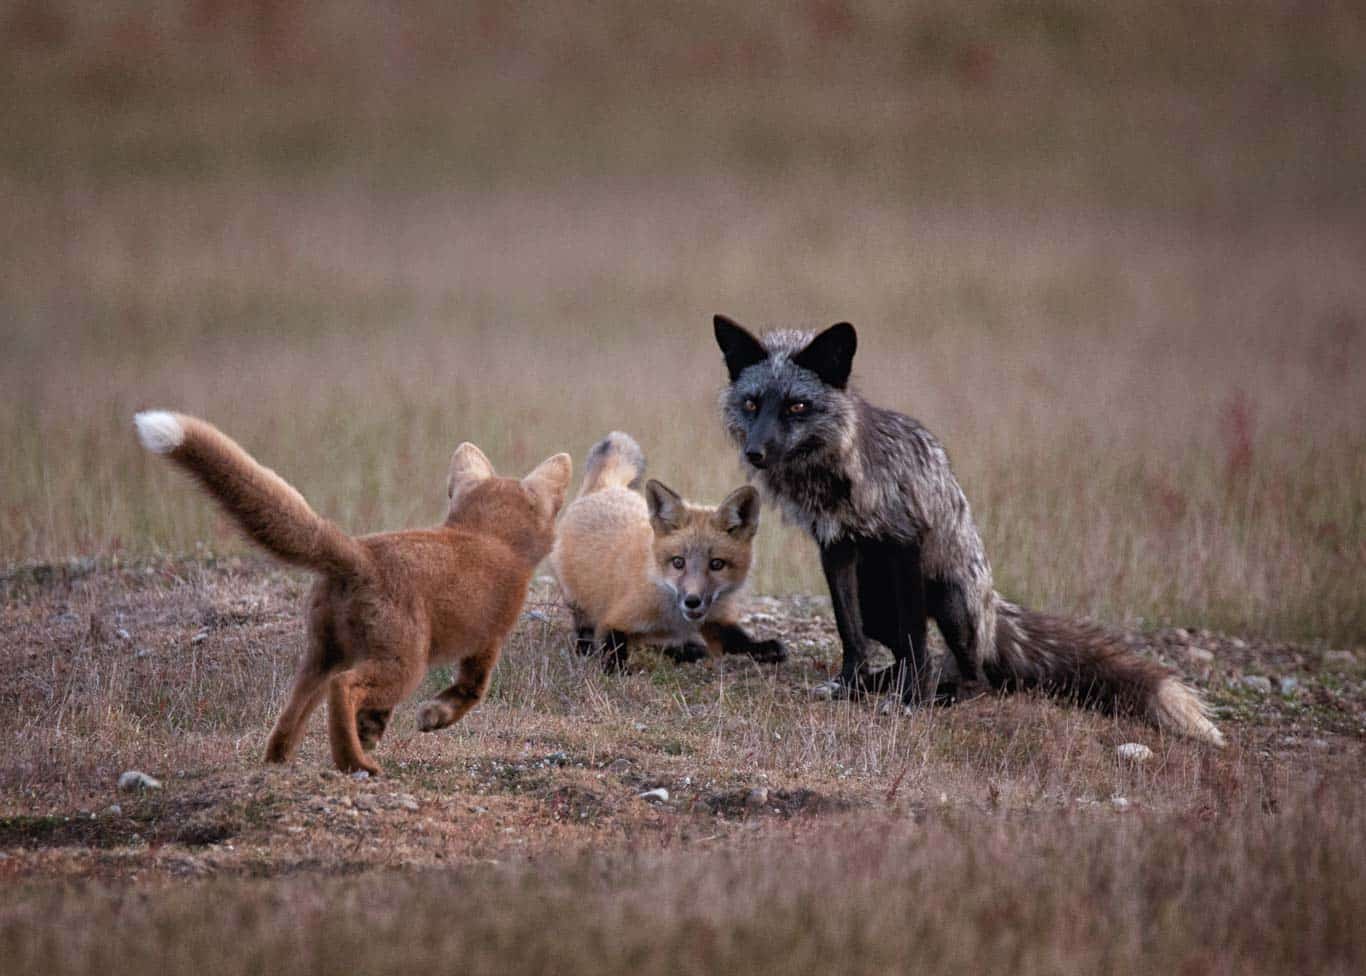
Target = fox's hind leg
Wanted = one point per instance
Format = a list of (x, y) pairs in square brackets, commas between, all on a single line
[(948, 603), (370, 725), (471, 684), (320, 662), (615, 649), (584, 641)]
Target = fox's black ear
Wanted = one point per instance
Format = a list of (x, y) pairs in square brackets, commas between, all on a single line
[(666, 507), (831, 354), (739, 347)]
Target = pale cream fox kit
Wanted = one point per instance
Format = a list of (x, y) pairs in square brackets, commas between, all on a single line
[(653, 566)]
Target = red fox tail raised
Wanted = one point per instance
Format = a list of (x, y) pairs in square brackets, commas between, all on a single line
[(1068, 657), (266, 507), (616, 461)]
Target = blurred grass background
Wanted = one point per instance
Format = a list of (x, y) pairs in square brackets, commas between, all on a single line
[(1111, 253)]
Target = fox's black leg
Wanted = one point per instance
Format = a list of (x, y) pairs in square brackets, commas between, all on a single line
[(839, 560), (947, 602), (370, 725), (614, 650), (583, 641), (686, 653), (918, 685), (732, 639), (880, 607)]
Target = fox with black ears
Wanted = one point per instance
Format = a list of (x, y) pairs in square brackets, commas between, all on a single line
[(899, 546)]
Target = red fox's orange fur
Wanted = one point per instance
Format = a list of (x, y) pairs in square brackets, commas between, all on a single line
[(385, 606), (655, 566)]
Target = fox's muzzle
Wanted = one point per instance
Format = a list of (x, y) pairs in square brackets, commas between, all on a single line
[(761, 447)]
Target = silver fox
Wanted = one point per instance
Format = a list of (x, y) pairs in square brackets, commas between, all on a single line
[(898, 543)]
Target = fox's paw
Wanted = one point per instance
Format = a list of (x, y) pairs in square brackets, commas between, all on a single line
[(768, 652), (832, 690), (685, 653), (434, 715)]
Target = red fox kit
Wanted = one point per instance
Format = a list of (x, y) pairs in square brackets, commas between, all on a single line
[(654, 566), (385, 607)]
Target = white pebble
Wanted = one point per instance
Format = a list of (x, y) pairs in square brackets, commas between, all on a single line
[(660, 795), (1135, 751), (135, 780)]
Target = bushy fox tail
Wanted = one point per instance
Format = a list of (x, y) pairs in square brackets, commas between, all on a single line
[(1071, 658), (267, 508), (616, 461)]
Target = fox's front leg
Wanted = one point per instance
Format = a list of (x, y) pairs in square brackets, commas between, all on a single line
[(450, 706), (839, 560), (730, 638)]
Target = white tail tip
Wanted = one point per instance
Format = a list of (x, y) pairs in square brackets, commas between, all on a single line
[(160, 431), (1180, 709)]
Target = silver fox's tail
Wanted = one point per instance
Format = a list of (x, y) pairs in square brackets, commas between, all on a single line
[(1081, 661), (616, 461)]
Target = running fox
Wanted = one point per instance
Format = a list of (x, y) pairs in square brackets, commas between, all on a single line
[(898, 543), (385, 607), (654, 566)]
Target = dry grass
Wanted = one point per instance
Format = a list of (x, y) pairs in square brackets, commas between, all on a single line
[(980, 836)]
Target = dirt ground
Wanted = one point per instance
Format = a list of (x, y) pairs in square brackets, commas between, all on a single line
[(175, 668)]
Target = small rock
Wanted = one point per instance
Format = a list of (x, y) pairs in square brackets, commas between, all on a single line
[(1181, 634), (1321, 744), (556, 759), (4, 856), (122, 634), (142, 652), (113, 810), (408, 803), (1135, 751), (1237, 642), (757, 797), (538, 615), (1119, 802), (619, 766), (659, 795), (1289, 685), (135, 780), (1198, 655), (200, 637), (365, 803), (1257, 683), (1339, 659), (361, 775)]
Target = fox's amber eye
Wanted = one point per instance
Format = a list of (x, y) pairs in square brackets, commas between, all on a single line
[(751, 406), (717, 565), (678, 562), (797, 407)]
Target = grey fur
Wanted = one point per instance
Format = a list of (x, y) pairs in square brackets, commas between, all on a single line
[(847, 470)]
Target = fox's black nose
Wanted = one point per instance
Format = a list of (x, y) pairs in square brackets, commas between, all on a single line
[(692, 602), (756, 458)]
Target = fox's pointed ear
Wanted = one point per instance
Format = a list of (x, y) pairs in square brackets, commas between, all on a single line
[(666, 507), (549, 480), (831, 354), (468, 468), (739, 347), (738, 515)]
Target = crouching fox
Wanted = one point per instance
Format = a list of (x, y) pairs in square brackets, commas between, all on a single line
[(387, 606), (898, 542), (653, 566)]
